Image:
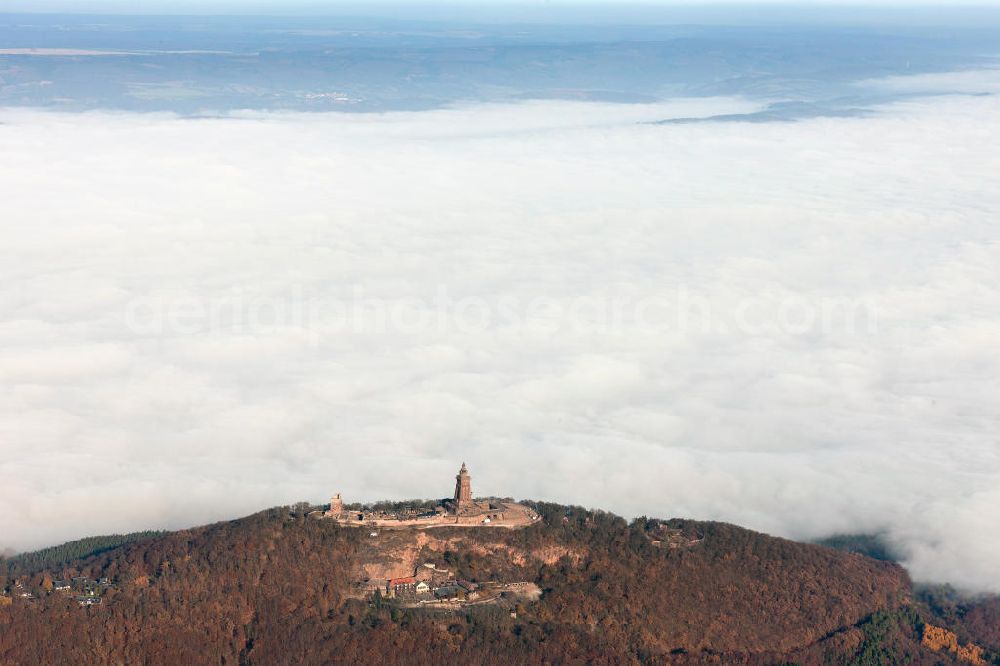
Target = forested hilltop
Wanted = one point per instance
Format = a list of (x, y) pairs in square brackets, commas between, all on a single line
[(64, 554), (280, 587)]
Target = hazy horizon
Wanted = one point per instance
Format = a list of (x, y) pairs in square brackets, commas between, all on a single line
[(569, 12)]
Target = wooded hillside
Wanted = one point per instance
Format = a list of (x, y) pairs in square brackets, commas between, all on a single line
[(273, 588)]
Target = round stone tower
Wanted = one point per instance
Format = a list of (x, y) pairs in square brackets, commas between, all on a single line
[(336, 505), (463, 490)]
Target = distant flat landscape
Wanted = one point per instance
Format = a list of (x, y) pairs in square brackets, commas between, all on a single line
[(219, 64)]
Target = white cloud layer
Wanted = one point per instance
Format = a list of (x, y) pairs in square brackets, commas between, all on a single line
[(203, 317)]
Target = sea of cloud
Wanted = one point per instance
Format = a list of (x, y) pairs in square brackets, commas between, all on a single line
[(790, 326)]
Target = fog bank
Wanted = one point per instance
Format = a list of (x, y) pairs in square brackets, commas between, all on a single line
[(790, 326)]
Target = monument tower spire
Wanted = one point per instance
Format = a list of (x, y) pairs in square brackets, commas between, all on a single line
[(463, 489)]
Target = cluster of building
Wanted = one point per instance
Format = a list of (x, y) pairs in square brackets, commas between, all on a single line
[(664, 536), (85, 591), (428, 581), (432, 585), (459, 510)]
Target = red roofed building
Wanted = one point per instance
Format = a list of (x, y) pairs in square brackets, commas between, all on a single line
[(397, 586)]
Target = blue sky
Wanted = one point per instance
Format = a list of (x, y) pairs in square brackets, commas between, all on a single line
[(980, 13), (333, 6)]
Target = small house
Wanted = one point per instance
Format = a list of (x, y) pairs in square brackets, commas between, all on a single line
[(447, 591)]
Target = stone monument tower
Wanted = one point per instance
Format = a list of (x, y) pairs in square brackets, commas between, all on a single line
[(336, 505), (463, 490)]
